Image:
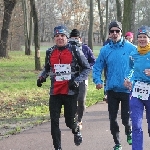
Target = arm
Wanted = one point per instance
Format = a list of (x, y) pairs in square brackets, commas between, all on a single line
[(98, 68), (45, 71), (91, 58), (83, 63), (130, 73)]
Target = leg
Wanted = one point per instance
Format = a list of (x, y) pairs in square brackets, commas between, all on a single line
[(136, 108), (113, 106), (55, 104), (81, 100), (125, 115), (147, 107), (70, 108)]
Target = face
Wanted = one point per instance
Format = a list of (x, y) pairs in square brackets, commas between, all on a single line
[(60, 40), (115, 34), (129, 38), (77, 38), (143, 40)]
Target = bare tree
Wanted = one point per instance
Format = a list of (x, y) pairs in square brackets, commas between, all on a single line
[(128, 15), (133, 12), (8, 8), (106, 25), (119, 10), (101, 21), (90, 32), (36, 36), (26, 26)]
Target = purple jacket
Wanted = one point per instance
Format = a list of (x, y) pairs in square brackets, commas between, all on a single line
[(88, 54)]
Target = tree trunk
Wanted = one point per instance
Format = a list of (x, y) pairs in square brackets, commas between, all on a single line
[(101, 22), (36, 35), (90, 32), (8, 8), (119, 10), (26, 27), (132, 27), (128, 15), (106, 27)]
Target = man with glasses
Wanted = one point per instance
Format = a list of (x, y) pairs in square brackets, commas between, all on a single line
[(75, 35), (115, 57)]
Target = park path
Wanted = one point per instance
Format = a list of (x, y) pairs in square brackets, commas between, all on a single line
[(96, 134)]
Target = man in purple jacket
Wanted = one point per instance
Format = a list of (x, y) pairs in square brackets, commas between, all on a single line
[(75, 35)]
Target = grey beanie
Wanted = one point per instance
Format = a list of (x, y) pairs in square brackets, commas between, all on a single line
[(115, 24)]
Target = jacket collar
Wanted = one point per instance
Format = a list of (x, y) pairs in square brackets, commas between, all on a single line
[(118, 44)]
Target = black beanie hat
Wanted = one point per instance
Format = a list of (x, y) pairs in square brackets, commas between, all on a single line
[(75, 33), (115, 24)]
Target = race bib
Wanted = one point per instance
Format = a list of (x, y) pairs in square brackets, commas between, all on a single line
[(63, 72), (141, 90)]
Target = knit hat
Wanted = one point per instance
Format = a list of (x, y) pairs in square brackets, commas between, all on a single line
[(75, 33), (129, 34), (115, 24), (61, 30), (144, 30)]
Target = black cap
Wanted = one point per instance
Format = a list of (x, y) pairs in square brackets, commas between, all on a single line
[(115, 24), (75, 33)]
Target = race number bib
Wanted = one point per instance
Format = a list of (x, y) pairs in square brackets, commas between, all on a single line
[(63, 71), (141, 90)]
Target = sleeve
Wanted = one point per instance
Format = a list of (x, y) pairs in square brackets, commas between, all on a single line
[(83, 63), (98, 68), (130, 71), (91, 57), (45, 71)]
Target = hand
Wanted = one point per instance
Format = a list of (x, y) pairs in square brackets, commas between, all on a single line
[(99, 86), (147, 72), (73, 85), (128, 84), (40, 81)]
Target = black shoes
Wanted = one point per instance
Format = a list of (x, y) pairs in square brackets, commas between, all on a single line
[(78, 138), (58, 148)]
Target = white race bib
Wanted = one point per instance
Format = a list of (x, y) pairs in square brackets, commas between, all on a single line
[(60, 69), (141, 90)]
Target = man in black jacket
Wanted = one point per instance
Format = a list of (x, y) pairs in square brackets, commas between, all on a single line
[(67, 66)]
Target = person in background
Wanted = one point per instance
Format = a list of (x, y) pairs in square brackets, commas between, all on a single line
[(108, 40), (65, 76), (115, 56), (129, 36), (138, 81), (75, 35)]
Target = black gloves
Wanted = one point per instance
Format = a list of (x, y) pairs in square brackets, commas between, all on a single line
[(40, 81), (73, 85)]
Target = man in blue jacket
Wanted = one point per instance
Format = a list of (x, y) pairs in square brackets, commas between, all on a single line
[(75, 35), (115, 57)]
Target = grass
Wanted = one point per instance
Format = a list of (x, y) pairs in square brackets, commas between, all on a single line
[(22, 103)]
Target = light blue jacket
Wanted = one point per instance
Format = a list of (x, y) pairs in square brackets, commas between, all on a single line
[(138, 63), (115, 57)]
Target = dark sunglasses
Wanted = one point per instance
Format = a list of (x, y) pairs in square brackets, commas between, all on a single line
[(112, 31)]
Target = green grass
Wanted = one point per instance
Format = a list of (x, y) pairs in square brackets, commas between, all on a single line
[(22, 103)]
